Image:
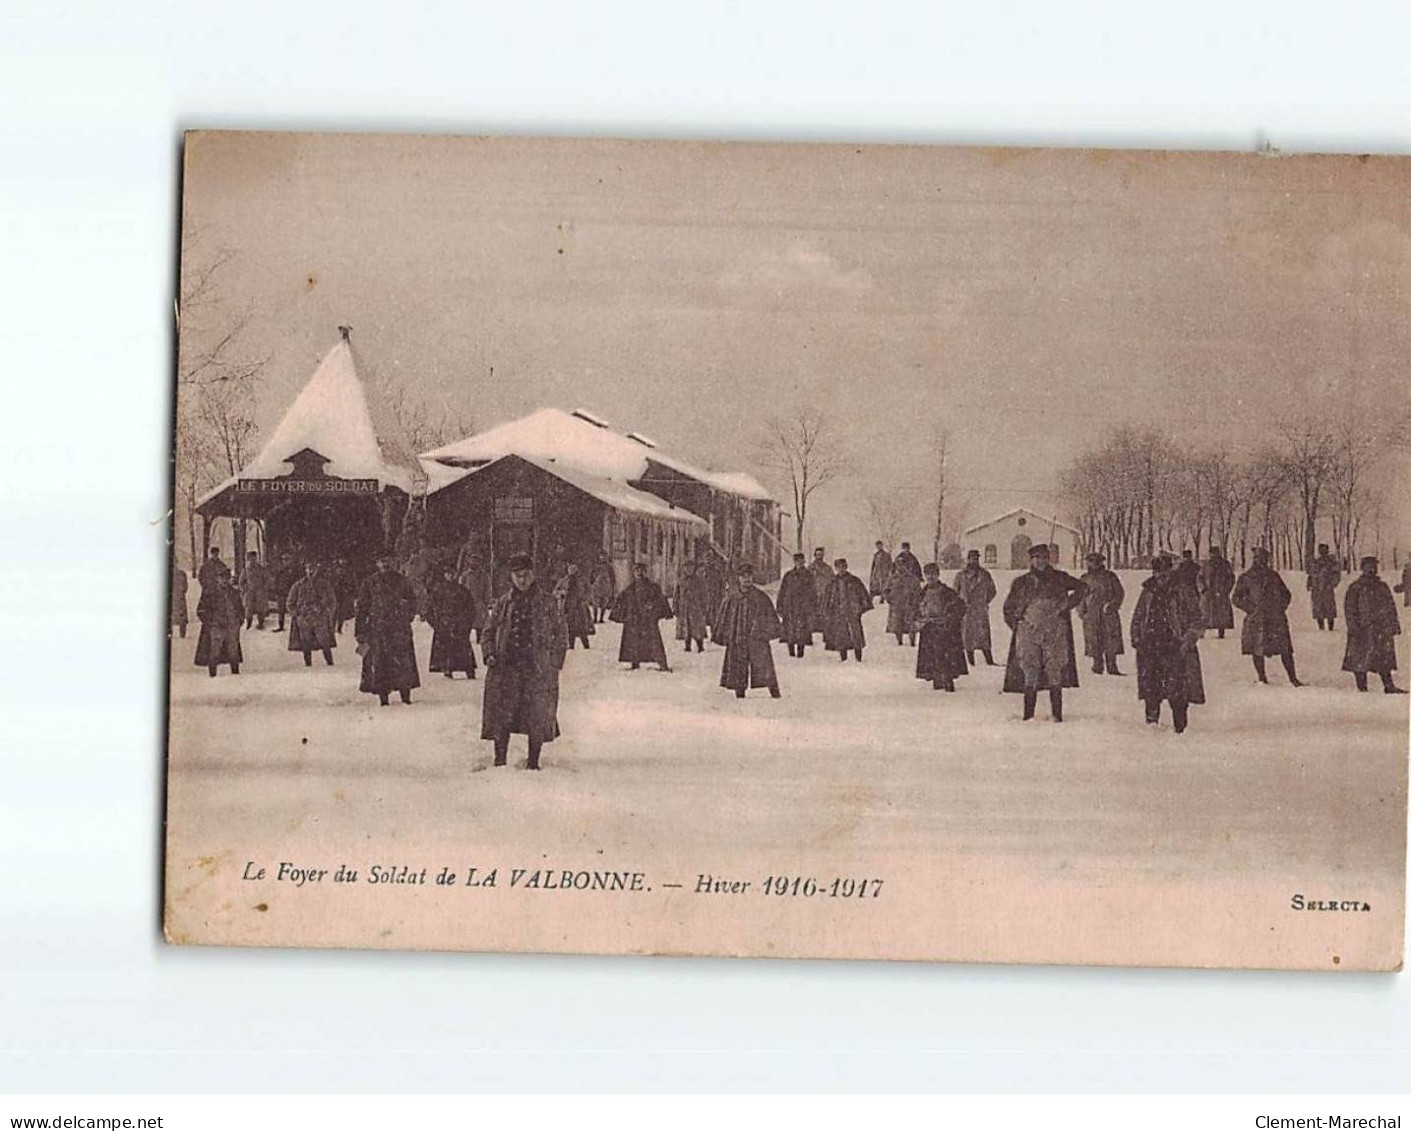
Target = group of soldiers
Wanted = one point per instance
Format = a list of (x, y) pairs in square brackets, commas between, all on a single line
[(525, 632)]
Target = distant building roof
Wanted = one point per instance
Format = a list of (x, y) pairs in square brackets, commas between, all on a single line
[(1043, 519), (338, 415), (616, 494), (584, 443)]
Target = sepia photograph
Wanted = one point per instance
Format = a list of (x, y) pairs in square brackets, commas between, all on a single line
[(790, 550)]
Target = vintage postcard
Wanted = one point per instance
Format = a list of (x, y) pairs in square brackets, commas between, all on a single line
[(828, 551)]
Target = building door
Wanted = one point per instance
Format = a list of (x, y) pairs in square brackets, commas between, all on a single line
[(1019, 552)]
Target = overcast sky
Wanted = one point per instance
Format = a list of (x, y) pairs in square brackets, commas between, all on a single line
[(684, 290)]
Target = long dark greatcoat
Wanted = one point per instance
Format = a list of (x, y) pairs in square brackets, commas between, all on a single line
[(254, 589), (572, 596), (939, 651), (844, 602), (903, 595), (384, 612), (1217, 578), (714, 574), (977, 589), (747, 624), (1372, 626), (222, 614), (523, 697), (692, 607), (1100, 612), (1166, 624), (1405, 586), (450, 607), (312, 606), (638, 608), (1041, 641), (822, 574), (798, 607), (1324, 577), (179, 584), (881, 573), (1264, 598)]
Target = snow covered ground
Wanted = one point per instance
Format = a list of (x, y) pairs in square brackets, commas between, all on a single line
[(1100, 839)]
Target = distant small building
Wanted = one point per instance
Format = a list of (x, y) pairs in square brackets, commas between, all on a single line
[(1004, 542), (565, 486)]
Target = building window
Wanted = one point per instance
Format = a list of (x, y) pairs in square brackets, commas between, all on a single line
[(991, 554)]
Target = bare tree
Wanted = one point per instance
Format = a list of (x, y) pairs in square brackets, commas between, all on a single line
[(940, 467), (426, 429), (1310, 453), (805, 447), (890, 513)]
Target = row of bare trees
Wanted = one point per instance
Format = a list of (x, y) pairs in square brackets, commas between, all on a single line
[(1317, 477)]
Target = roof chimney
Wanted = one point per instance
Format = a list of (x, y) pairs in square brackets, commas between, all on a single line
[(345, 332), (645, 441), (588, 418)]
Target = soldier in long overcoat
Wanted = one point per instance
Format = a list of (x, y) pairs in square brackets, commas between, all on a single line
[(844, 602), (1405, 586), (940, 611), (907, 561), (313, 608), (1166, 627), (748, 622), (602, 588), (254, 590), (180, 615), (638, 608), (1101, 614), (1041, 652), (692, 606), (1372, 629), (798, 607), (213, 571), (572, 597), (1324, 577), (221, 614), (1260, 593), (382, 625), (822, 574), (282, 578), (450, 608), (1216, 580), (881, 572), (524, 644), (903, 595), (977, 589)]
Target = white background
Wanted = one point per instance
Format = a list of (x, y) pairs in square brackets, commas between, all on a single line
[(93, 97)]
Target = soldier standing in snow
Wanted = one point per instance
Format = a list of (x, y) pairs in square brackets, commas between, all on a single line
[(283, 580), (524, 643), (1166, 626), (1041, 647), (602, 587), (977, 589), (748, 623), (881, 572), (693, 611), (844, 602), (450, 607), (573, 601), (254, 590), (1217, 578), (940, 656), (385, 609), (1405, 586), (312, 608), (221, 614), (1101, 614), (638, 608), (798, 605), (1264, 598), (1372, 628), (903, 595), (1324, 576), (179, 614), (822, 574)]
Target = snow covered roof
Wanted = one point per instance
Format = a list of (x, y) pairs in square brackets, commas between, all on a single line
[(584, 443), (1043, 519), (339, 415), (613, 492)]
